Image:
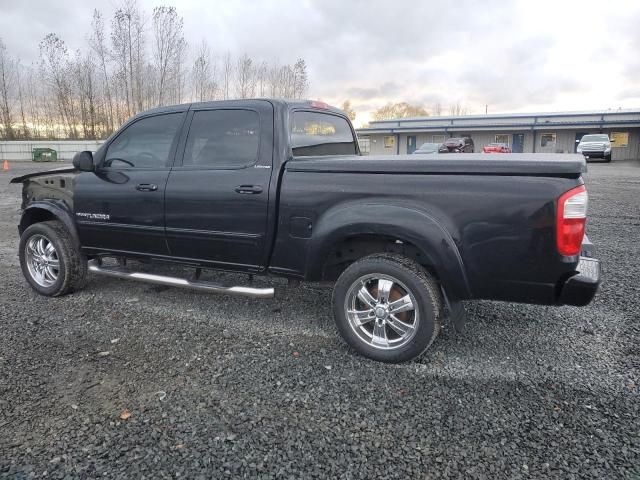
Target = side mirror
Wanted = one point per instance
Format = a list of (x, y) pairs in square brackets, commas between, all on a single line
[(83, 161), (612, 140)]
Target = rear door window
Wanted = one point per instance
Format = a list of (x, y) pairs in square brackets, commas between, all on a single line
[(222, 139), (314, 133)]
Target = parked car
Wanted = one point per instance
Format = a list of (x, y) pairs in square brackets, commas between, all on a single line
[(279, 188), (459, 145), (426, 148), (595, 146), (496, 148)]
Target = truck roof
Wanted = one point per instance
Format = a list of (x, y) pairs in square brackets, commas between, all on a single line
[(246, 102)]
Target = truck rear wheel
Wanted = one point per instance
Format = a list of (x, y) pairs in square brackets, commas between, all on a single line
[(50, 260), (387, 308)]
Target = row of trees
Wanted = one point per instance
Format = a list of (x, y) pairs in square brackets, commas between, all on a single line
[(134, 63), (405, 110)]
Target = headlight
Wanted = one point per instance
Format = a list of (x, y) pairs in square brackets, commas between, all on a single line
[(607, 149), (579, 150)]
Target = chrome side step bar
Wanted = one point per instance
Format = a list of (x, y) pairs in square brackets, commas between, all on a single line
[(210, 287)]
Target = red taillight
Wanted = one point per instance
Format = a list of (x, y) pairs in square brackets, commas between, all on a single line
[(571, 219)]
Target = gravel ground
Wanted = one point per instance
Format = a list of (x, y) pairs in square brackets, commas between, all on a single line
[(220, 387)]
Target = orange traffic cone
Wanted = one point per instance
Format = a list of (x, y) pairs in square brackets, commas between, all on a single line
[(5, 166)]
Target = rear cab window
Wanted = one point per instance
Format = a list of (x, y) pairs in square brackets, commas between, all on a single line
[(315, 133)]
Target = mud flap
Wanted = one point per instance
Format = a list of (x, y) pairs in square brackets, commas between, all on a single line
[(455, 315)]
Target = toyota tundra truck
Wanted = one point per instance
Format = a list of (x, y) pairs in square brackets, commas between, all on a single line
[(279, 188), (596, 145)]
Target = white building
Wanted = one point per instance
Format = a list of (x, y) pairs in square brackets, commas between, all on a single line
[(534, 132)]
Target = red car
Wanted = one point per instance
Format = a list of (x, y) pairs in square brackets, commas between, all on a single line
[(496, 148)]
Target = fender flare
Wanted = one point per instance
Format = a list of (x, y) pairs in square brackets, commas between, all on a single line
[(57, 209), (402, 222)]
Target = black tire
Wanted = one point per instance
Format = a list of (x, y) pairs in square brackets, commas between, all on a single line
[(72, 271), (607, 158), (415, 281)]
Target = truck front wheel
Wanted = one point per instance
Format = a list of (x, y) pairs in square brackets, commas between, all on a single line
[(50, 260), (387, 307)]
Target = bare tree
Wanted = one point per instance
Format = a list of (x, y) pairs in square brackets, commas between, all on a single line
[(34, 103), (84, 70), (169, 46), (7, 81), (437, 109), (99, 46), (138, 44), (121, 47), (261, 79), (300, 79), (214, 79), (57, 68), (273, 80), (287, 82), (203, 75), (348, 109), (245, 77), (227, 75), (127, 37), (179, 73), (457, 109), (21, 102)]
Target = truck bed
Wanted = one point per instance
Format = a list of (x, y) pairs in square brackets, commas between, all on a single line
[(517, 164), (490, 216)]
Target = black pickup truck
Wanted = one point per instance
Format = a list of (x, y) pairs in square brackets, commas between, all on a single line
[(280, 188)]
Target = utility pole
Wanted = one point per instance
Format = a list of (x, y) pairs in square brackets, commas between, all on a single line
[(486, 108)]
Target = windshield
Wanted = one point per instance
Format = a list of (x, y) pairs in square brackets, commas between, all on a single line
[(595, 138)]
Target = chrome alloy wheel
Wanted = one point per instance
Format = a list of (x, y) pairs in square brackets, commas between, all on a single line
[(42, 260), (382, 311)]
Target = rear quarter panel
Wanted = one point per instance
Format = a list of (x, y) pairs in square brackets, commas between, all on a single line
[(503, 226)]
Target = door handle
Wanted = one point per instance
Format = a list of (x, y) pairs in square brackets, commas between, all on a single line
[(249, 189), (147, 187)]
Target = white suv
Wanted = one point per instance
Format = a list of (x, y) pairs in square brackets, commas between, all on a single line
[(597, 145)]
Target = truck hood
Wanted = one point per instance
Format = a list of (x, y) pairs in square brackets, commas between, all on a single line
[(22, 178), (454, 163)]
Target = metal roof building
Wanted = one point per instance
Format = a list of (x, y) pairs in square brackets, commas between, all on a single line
[(529, 132)]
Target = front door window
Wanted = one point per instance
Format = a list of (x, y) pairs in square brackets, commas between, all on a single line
[(145, 143)]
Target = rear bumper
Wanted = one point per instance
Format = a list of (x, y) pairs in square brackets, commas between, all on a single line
[(575, 282), (580, 288)]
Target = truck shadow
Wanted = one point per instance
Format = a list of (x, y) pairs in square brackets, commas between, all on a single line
[(501, 340)]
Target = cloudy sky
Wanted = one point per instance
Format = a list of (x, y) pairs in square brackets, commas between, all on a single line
[(512, 55)]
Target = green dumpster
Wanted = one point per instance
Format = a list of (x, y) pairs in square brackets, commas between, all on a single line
[(44, 155)]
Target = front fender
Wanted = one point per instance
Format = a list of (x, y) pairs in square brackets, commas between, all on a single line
[(56, 208), (399, 222)]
